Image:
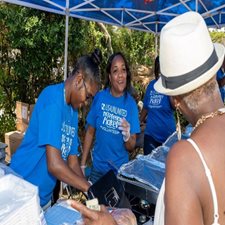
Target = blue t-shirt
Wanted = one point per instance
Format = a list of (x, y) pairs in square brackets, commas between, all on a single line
[(54, 123), (160, 122), (219, 76), (105, 114)]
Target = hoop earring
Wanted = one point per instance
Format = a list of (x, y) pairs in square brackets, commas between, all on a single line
[(178, 126)]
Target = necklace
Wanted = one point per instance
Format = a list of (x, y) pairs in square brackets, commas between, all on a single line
[(203, 118)]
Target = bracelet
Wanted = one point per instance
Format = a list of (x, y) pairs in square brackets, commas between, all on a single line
[(83, 166)]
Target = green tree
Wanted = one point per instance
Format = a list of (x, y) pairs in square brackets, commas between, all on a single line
[(137, 46), (31, 56), (218, 36), (32, 53)]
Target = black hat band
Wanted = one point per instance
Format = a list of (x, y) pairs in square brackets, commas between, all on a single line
[(175, 82)]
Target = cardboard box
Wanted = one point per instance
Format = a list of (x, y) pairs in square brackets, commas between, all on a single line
[(13, 140), (21, 125), (23, 115), (22, 111)]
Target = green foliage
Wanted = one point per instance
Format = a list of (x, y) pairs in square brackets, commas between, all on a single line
[(30, 56), (31, 47), (137, 46), (217, 36), (32, 52), (85, 40), (7, 123), (140, 91)]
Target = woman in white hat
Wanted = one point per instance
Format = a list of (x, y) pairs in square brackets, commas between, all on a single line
[(194, 187)]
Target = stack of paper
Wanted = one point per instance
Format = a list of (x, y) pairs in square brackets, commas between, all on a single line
[(62, 214)]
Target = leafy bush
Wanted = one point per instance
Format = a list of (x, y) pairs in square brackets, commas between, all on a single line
[(7, 123)]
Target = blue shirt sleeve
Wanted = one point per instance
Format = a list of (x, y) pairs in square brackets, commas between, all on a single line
[(219, 74), (49, 120)]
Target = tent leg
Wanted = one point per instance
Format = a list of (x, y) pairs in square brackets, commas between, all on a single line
[(156, 40), (156, 45), (66, 40)]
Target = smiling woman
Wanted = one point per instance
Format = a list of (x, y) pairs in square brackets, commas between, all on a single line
[(113, 119)]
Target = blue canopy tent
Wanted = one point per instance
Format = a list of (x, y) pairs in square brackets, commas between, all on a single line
[(143, 15)]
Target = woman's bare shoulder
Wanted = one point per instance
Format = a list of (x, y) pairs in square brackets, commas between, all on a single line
[(181, 159), (180, 185), (179, 152)]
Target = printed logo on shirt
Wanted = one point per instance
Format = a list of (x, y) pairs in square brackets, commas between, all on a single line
[(68, 134), (155, 100), (112, 116)]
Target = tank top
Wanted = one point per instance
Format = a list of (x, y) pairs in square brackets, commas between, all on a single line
[(160, 206)]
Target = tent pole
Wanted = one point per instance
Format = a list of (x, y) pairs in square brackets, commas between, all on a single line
[(65, 65), (66, 39), (156, 45), (196, 5), (156, 40)]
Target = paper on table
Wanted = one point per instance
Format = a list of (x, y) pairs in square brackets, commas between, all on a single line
[(62, 214)]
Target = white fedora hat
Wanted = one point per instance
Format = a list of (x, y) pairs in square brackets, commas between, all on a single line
[(188, 58)]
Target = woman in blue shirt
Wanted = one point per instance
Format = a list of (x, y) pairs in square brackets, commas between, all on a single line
[(49, 150), (220, 77), (112, 120), (159, 116)]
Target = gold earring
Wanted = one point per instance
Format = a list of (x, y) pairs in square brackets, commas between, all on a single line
[(178, 127)]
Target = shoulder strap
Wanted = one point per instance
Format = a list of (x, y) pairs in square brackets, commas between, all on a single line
[(211, 184)]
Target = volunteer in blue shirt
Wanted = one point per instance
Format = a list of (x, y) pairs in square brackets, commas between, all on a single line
[(220, 77), (49, 150), (113, 121), (159, 116)]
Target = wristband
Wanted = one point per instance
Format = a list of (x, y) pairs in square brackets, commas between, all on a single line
[(83, 166)]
